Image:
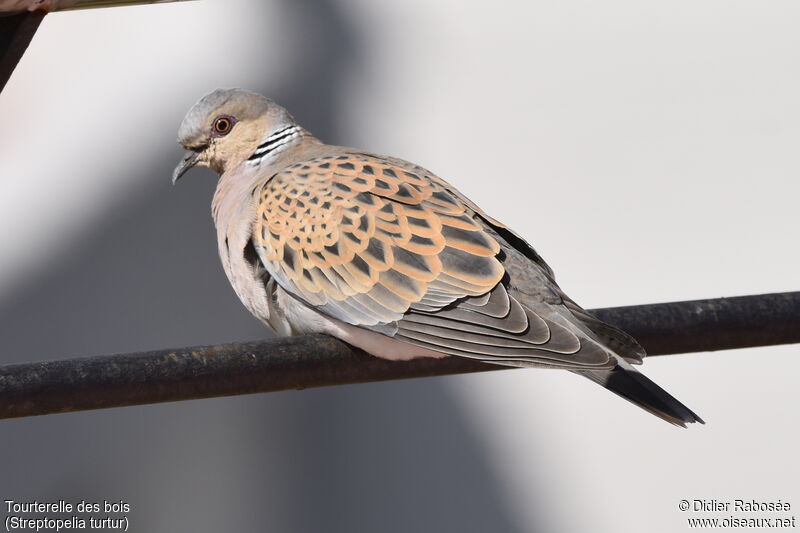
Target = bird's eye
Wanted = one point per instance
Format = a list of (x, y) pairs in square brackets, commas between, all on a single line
[(223, 125)]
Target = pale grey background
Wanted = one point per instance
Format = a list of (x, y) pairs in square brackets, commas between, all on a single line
[(647, 149)]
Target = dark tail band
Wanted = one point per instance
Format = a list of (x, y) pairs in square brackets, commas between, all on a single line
[(638, 389)]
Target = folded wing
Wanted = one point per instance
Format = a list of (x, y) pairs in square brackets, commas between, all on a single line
[(386, 245)]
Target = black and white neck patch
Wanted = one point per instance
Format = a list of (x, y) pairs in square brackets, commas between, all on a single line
[(275, 143)]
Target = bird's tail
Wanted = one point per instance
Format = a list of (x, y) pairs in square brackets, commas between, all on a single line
[(625, 381)]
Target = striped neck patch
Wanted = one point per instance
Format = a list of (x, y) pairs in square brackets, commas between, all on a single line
[(275, 143)]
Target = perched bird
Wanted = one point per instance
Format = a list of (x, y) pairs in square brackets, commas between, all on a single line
[(387, 256)]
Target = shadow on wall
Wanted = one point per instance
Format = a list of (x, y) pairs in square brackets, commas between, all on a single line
[(381, 457)]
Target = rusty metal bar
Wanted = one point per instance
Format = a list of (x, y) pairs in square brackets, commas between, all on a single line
[(22, 6), (315, 361), (18, 26), (16, 32)]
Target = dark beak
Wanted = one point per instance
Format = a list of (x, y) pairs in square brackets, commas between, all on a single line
[(186, 163)]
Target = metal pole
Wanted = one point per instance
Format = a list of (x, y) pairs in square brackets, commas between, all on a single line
[(314, 361), (16, 32), (17, 28)]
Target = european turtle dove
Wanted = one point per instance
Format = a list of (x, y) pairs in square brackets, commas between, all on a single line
[(387, 256)]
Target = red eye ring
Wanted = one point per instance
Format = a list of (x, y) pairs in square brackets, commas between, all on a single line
[(223, 124)]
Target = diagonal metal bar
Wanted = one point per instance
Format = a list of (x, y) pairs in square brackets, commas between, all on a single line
[(18, 26), (16, 32), (314, 361)]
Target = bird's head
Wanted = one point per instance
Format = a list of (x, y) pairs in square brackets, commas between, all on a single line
[(225, 127)]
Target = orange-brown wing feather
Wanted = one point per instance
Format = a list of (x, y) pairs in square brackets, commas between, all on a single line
[(363, 239), (384, 244)]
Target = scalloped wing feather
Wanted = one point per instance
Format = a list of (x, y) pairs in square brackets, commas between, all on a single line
[(386, 245)]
